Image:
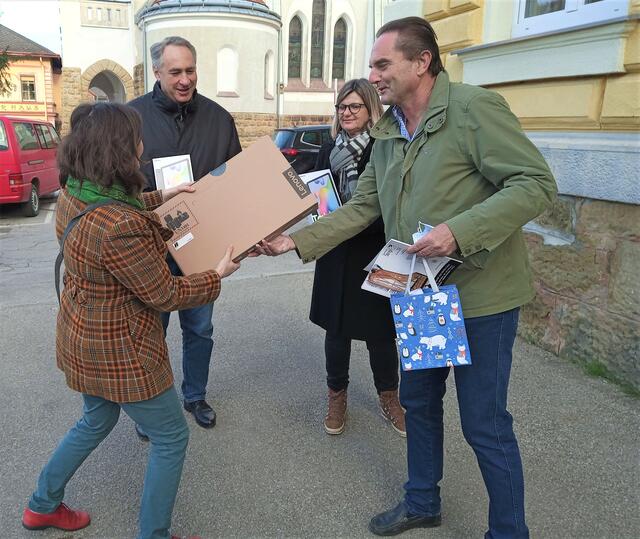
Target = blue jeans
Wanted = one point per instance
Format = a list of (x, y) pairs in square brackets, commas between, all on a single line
[(197, 345), (486, 425), (161, 418)]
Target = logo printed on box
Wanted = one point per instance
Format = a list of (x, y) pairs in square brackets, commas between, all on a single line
[(294, 181), (179, 219)]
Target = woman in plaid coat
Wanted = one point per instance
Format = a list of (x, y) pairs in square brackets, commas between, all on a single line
[(109, 337)]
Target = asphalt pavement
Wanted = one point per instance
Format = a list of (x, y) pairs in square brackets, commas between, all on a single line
[(268, 469)]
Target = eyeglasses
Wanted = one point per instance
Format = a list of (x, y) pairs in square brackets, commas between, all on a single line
[(354, 108)]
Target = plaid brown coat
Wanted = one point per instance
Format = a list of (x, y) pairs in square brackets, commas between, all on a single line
[(109, 337)]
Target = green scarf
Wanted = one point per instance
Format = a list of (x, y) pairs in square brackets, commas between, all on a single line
[(91, 193)]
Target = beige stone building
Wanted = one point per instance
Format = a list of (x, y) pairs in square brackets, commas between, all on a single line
[(98, 50), (34, 72), (570, 70), (269, 62)]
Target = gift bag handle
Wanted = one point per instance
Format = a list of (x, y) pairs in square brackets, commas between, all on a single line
[(430, 277)]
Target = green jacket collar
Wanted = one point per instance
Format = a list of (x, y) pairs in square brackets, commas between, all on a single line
[(433, 118)]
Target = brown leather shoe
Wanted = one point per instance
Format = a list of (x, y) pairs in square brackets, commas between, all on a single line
[(337, 413), (392, 411)]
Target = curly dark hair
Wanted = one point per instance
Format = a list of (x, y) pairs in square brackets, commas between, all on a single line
[(102, 146)]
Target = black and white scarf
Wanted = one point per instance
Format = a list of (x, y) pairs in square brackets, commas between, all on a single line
[(344, 159)]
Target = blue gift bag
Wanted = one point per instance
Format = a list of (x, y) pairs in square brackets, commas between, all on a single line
[(429, 326)]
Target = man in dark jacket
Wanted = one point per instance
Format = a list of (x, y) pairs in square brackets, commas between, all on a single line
[(176, 121)]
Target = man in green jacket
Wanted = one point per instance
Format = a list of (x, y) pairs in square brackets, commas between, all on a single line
[(454, 156)]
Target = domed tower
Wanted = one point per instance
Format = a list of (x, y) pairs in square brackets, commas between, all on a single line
[(237, 46)]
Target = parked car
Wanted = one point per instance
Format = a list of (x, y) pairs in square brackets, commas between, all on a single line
[(28, 166), (300, 145)]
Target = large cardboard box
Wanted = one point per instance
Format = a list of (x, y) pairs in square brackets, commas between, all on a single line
[(254, 195)]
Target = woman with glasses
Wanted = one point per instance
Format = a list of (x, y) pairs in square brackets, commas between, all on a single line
[(338, 304)]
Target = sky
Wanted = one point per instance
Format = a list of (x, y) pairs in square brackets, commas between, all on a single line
[(36, 19)]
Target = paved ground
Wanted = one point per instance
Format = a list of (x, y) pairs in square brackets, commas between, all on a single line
[(267, 469)]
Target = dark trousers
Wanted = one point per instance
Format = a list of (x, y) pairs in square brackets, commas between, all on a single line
[(383, 358), (486, 425), (197, 344)]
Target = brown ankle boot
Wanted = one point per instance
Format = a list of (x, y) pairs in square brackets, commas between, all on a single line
[(392, 411), (334, 422)]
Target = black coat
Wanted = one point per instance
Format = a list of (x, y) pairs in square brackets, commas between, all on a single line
[(201, 128), (338, 304)]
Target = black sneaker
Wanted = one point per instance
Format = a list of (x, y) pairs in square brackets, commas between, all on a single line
[(398, 520), (204, 415)]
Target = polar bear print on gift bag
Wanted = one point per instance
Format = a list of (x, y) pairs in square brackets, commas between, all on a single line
[(440, 297), (437, 340)]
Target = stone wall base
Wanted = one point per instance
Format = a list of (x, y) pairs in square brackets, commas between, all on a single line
[(586, 259), (252, 126)]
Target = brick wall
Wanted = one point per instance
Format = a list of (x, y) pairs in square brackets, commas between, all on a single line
[(295, 120)]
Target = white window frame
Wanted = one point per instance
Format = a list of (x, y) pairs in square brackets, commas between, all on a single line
[(28, 79), (269, 75), (575, 13), (227, 71)]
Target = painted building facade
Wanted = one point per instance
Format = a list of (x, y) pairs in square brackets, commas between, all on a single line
[(99, 54), (570, 70), (34, 73), (269, 62)]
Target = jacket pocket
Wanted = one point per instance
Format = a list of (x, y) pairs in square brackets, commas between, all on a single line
[(476, 260), (147, 335)]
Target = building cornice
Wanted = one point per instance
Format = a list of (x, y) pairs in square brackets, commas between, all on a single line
[(242, 8), (588, 50)]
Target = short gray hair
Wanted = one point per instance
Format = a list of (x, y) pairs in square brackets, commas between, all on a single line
[(158, 48)]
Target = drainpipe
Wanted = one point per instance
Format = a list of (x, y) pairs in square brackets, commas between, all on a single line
[(44, 77), (279, 83), (144, 53)]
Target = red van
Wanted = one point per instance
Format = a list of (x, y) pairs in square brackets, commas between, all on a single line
[(28, 166)]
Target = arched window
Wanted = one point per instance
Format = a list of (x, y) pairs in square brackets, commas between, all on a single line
[(317, 38), (295, 48), (227, 70), (339, 47), (269, 75)]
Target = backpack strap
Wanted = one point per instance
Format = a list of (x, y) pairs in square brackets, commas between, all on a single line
[(70, 225)]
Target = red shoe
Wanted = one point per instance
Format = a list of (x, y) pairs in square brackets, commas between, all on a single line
[(62, 518)]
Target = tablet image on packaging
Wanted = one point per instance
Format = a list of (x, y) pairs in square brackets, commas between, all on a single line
[(172, 171), (321, 184)]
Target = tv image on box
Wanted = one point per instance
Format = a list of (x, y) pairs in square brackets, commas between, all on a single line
[(321, 184), (172, 171)]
